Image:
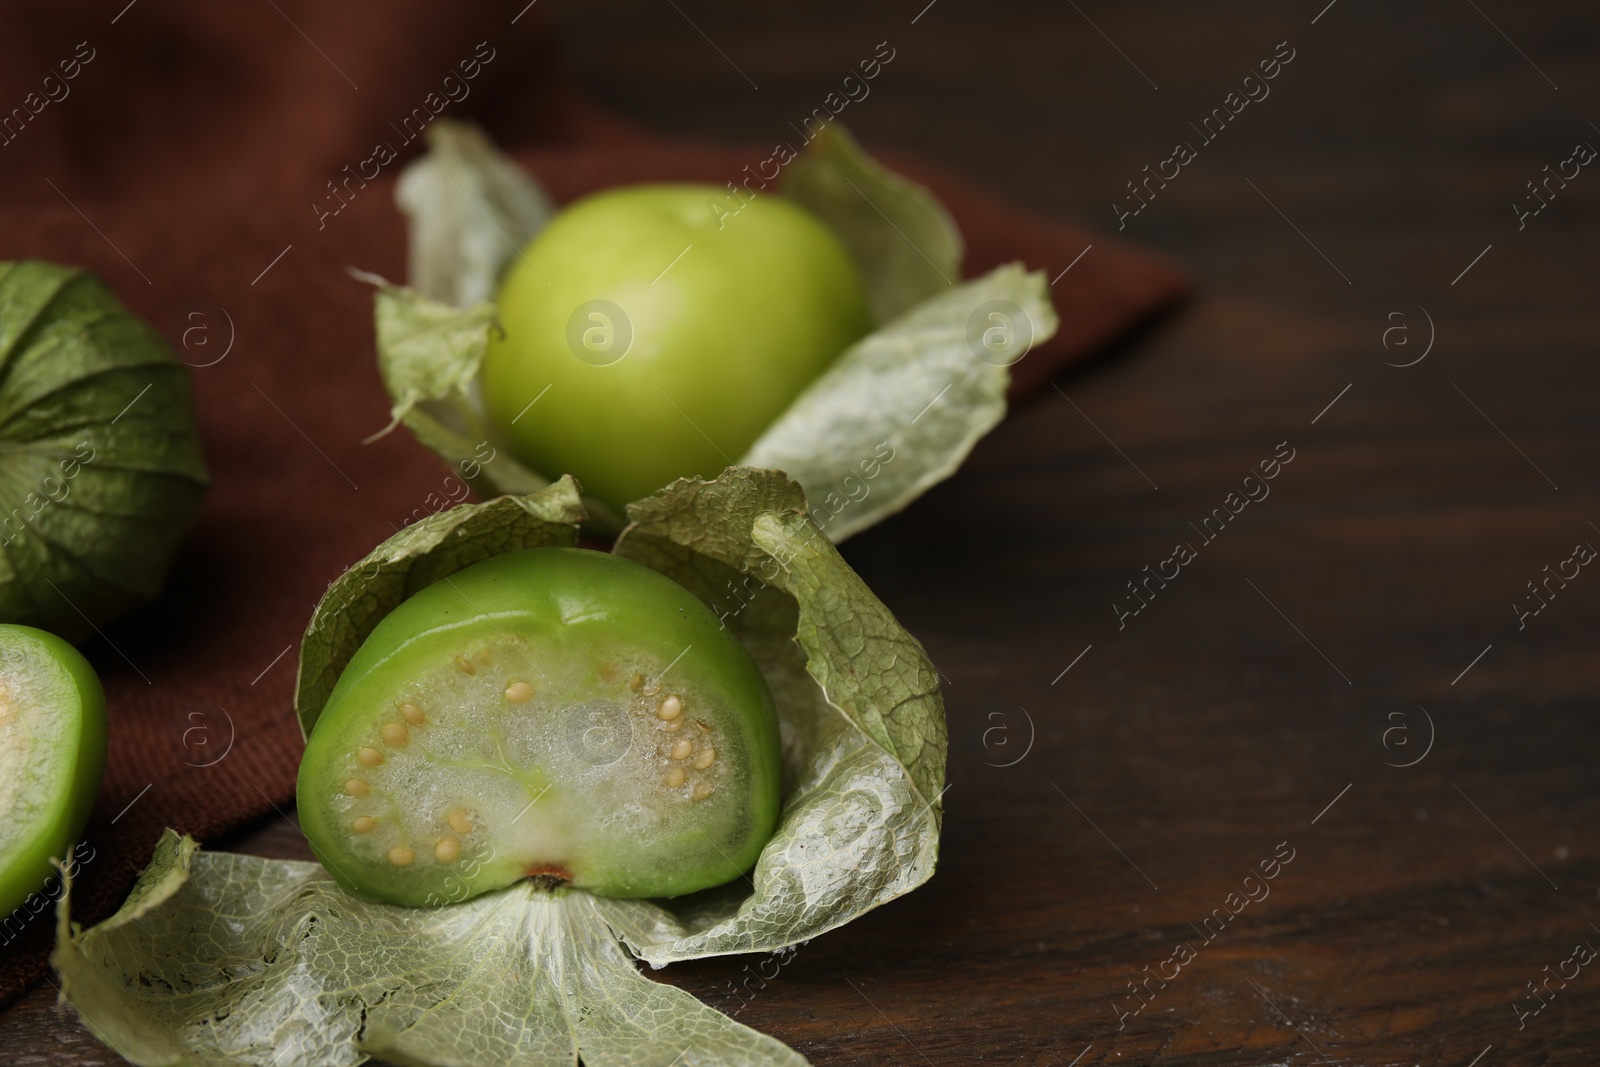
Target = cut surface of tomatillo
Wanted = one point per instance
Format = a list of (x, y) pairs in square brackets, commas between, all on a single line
[(52, 754), (553, 713)]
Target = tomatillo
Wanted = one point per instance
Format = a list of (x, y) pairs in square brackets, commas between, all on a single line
[(671, 325), (52, 755), (553, 713)]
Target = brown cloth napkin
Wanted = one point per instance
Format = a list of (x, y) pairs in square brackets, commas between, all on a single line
[(176, 148)]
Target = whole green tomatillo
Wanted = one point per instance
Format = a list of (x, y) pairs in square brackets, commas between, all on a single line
[(551, 713), (52, 755), (100, 465), (670, 325)]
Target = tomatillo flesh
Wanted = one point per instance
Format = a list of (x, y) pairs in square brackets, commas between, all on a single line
[(671, 324), (52, 756), (551, 713)]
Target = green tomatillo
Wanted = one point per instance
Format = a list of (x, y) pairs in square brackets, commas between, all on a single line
[(100, 465), (670, 325), (551, 713), (52, 755)]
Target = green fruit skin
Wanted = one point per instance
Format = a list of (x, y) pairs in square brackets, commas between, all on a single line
[(52, 755), (571, 611), (724, 338)]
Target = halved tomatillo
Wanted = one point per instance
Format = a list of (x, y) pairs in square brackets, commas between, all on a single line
[(52, 755), (552, 713)]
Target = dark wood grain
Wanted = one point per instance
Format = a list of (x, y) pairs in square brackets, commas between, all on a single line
[(1270, 678)]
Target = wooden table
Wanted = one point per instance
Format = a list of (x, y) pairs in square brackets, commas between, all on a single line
[(1339, 675)]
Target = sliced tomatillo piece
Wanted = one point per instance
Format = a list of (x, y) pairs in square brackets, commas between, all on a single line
[(554, 713), (52, 754)]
